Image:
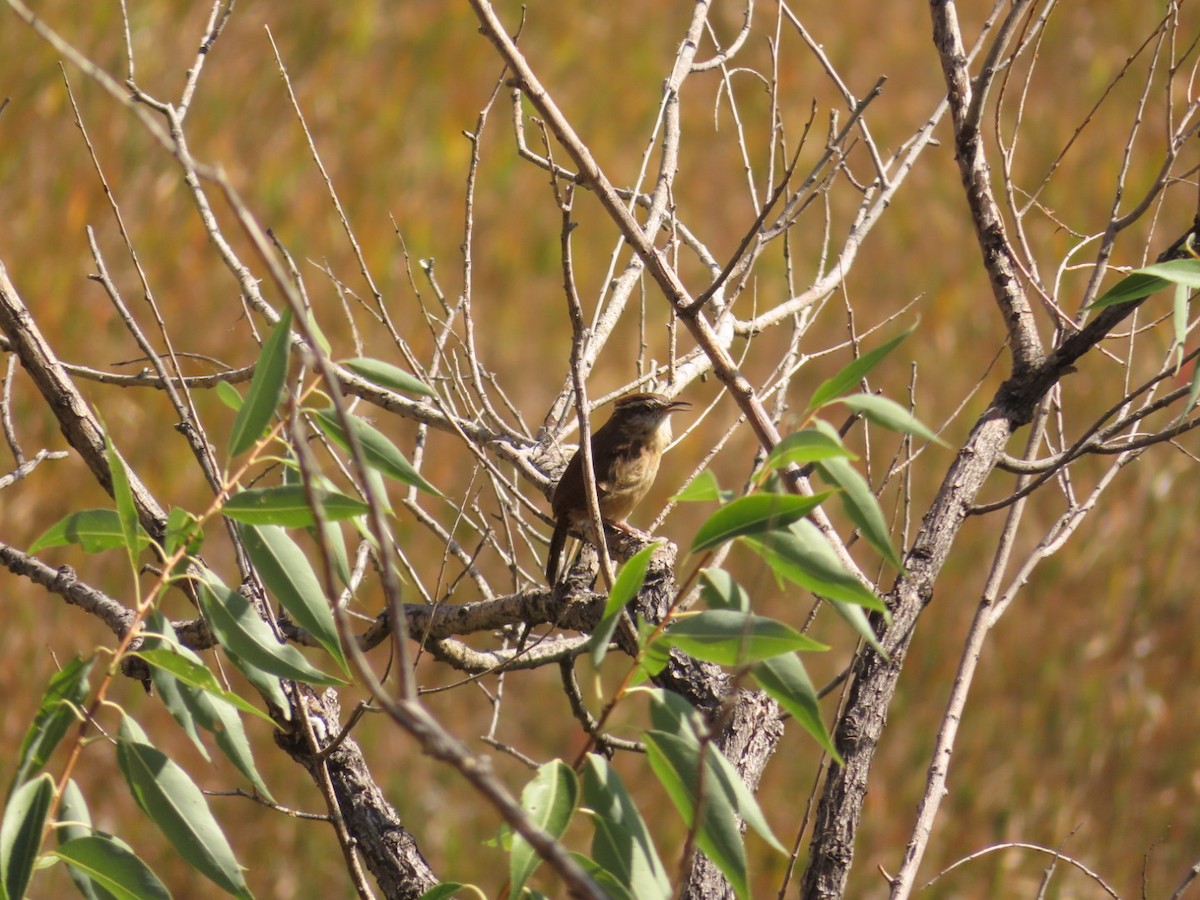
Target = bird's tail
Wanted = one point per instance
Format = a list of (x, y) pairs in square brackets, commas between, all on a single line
[(554, 557)]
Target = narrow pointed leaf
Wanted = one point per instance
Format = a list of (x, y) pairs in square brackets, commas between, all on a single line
[(73, 822), (803, 556), (753, 514), (94, 530), (21, 833), (387, 376), (628, 582), (378, 452), (785, 679), (621, 843), (857, 619), (550, 800), (228, 395), (720, 591), (114, 867), (266, 388), (58, 710), (123, 498), (890, 415), (731, 638), (285, 570), (676, 765), (237, 625), (173, 802), (859, 502), (850, 376), (288, 506), (605, 880), (809, 445), (183, 532), (704, 487)]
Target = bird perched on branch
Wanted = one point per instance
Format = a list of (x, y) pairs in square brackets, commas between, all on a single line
[(626, 451)]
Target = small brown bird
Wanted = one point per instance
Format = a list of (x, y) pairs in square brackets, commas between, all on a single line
[(626, 451)]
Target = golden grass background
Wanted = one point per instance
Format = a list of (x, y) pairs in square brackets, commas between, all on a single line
[(1081, 732)]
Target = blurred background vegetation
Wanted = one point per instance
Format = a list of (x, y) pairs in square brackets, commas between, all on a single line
[(1081, 733)]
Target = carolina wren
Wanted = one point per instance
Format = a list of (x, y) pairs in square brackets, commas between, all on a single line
[(626, 451)]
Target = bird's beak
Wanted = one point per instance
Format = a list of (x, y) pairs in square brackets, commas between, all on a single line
[(678, 404)]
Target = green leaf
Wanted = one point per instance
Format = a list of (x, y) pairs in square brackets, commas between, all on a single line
[(123, 497), (74, 821), (1146, 281), (676, 764), (852, 375), (753, 514), (785, 679), (803, 556), (731, 638), (114, 867), (228, 395), (1179, 318), (809, 445), (549, 800), (59, 709), (605, 880), (890, 415), (857, 619), (266, 388), (621, 843), (92, 529), (628, 582), (859, 502), (378, 452), (240, 630), (285, 571), (704, 487), (183, 532), (173, 802), (288, 506), (1193, 391), (21, 833), (720, 591), (387, 376), (183, 665)]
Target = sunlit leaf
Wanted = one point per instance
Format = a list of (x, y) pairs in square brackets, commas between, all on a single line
[(173, 802), (720, 591), (731, 638), (852, 374), (859, 502), (753, 514), (890, 415), (676, 764), (378, 451), (285, 571), (621, 843), (114, 867), (241, 631), (287, 506), (809, 445), (123, 498), (628, 582), (94, 530), (549, 800), (59, 709), (787, 681), (802, 555), (21, 833), (704, 487), (388, 376), (266, 388)]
